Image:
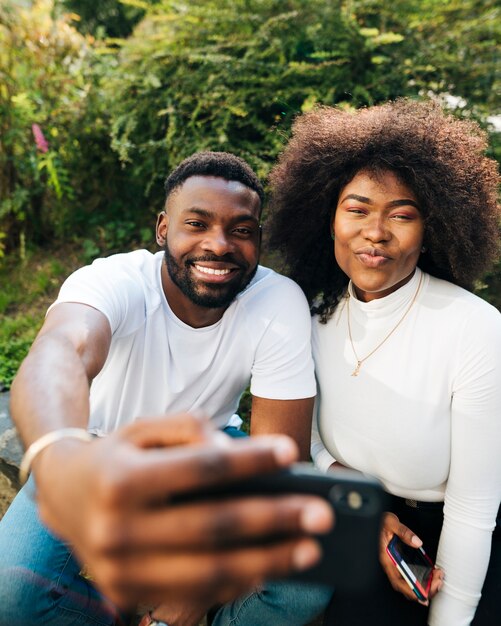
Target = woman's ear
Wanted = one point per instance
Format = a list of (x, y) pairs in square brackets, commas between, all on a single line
[(162, 228)]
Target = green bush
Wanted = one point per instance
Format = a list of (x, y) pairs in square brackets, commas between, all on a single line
[(16, 337)]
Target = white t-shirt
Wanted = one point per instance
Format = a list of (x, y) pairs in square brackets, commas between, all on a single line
[(423, 416), (158, 364)]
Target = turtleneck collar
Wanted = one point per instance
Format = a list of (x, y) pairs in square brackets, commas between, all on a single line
[(389, 304)]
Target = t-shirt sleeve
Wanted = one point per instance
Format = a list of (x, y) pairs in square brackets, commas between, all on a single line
[(474, 487), (108, 286), (283, 365)]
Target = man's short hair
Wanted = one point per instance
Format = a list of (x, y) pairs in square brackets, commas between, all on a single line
[(222, 164)]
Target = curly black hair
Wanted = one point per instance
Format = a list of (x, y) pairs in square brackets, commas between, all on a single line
[(439, 157), (222, 164)]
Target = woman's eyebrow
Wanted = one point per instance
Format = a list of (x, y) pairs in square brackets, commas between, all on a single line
[(404, 202), (354, 196)]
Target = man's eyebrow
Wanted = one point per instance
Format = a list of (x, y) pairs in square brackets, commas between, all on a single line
[(243, 217), (402, 202)]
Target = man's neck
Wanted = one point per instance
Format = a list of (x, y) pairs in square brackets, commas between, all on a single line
[(184, 309)]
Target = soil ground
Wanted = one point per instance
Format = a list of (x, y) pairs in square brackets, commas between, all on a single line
[(7, 492)]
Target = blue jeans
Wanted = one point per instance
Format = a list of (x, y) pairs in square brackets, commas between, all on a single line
[(277, 604), (41, 584), (40, 581)]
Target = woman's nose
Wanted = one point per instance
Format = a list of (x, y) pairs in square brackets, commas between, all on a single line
[(376, 229)]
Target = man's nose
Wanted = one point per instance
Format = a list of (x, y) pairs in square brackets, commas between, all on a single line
[(217, 241)]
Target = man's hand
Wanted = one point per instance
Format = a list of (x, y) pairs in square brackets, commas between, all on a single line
[(110, 500), (392, 526)]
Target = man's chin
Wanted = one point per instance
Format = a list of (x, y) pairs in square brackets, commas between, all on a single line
[(215, 298)]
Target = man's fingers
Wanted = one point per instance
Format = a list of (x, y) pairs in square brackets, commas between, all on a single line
[(148, 576), (217, 524), (148, 476), (171, 430)]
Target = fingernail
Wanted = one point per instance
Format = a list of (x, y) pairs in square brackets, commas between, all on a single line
[(284, 450), (305, 555), (317, 517), (416, 541)]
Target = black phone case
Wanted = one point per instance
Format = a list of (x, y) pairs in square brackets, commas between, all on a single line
[(350, 551)]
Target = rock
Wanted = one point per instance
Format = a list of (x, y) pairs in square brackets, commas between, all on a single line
[(11, 450)]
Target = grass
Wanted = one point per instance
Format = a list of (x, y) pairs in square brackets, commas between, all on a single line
[(28, 286)]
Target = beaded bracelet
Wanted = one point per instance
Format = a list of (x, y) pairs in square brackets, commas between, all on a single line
[(46, 440)]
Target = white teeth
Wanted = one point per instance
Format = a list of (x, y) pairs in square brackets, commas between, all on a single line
[(210, 270)]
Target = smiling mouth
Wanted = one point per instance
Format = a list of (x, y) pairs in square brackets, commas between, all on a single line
[(212, 271)]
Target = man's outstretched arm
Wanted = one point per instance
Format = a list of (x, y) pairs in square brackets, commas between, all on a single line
[(110, 498)]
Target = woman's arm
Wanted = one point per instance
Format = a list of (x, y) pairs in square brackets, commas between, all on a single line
[(474, 484)]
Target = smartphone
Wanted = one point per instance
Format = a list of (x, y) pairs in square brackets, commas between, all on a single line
[(350, 559), (414, 564)]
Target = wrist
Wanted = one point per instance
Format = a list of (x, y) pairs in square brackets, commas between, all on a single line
[(39, 453)]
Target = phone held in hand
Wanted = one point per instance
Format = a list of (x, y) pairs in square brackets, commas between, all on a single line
[(350, 559), (414, 564)]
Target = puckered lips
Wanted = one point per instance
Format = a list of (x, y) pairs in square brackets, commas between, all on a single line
[(215, 272), (372, 257)]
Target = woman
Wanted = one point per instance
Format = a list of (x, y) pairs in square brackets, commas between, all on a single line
[(386, 217)]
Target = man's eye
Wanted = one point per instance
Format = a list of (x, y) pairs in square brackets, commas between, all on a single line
[(195, 224)]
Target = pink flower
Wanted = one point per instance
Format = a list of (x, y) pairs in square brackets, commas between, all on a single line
[(40, 140)]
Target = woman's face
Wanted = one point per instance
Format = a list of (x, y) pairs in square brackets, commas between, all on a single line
[(378, 233)]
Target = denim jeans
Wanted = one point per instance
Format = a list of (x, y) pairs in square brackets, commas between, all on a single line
[(40, 580), (276, 604)]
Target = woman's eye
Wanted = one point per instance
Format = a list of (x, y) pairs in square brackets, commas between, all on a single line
[(403, 216)]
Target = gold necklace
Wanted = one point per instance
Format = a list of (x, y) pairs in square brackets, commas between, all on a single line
[(356, 371)]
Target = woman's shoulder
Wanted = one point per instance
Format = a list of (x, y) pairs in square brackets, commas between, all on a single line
[(460, 313), (442, 293)]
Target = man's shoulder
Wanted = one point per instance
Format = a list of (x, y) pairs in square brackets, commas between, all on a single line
[(270, 283), (270, 294), (140, 259)]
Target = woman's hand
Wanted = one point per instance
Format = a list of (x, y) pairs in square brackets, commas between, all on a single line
[(392, 526)]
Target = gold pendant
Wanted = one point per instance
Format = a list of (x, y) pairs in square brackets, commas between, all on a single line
[(356, 371)]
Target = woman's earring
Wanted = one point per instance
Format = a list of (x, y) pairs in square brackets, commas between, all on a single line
[(333, 236), (423, 249)]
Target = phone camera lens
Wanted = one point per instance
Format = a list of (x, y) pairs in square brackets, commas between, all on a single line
[(355, 500)]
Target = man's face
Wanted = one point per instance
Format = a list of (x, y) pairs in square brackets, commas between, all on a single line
[(210, 232)]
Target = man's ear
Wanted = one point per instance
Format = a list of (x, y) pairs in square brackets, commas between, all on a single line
[(162, 228)]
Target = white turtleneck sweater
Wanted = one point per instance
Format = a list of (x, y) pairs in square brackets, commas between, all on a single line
[(423, 416)]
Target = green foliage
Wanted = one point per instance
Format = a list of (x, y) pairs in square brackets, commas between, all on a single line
[(51, 77), (16, 337), (27, 290), (177, 76), (232, 74), (106, 18), (41, 63)]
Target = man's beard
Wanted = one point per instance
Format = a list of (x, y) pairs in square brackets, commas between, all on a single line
[(212, 296)]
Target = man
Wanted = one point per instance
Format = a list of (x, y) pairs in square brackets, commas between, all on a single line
[(130, 339)]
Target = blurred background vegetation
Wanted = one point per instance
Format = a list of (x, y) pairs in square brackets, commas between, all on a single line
[(99, 100)]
